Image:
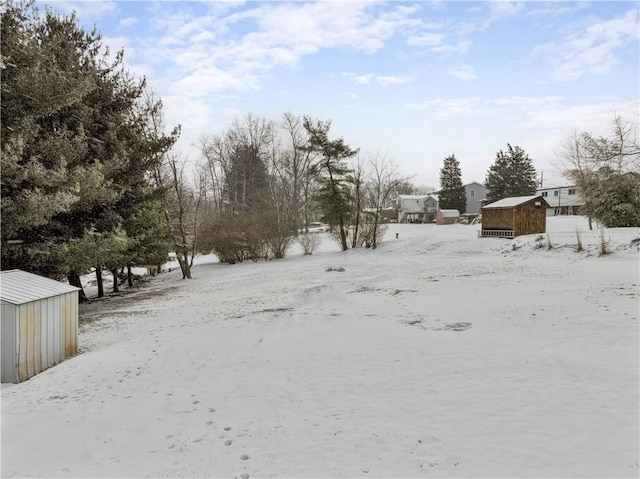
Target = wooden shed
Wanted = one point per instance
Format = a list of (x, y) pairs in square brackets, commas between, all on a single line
[(510, 217), (39, 324), (447, 217)]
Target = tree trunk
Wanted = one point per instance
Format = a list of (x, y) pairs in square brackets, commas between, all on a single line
[(74, 280), (185, 267), (114, 272), (129, 276), (343, 235), (100, 281), (374, 241)]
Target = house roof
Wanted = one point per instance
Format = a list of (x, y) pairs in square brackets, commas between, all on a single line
[(19, 287), (450, 213), (511, 202), (412, 197)]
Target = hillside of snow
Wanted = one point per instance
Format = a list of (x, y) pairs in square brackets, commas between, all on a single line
[(439, 354)]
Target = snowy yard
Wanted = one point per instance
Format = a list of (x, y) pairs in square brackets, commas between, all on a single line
[(437, 355)]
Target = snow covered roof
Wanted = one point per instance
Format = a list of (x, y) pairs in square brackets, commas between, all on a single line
[(412, 197), (450, 213), (19, 287), (510, 202)]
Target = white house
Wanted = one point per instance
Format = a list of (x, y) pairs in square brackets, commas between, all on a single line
[(562, 200), (416, 208)]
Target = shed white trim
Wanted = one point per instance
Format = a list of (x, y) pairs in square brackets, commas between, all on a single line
[(510, 202)]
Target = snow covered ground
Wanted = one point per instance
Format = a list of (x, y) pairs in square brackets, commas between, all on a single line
[(437, 355)]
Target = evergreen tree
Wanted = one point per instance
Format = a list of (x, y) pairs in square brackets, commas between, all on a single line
[(75, 156), (512, 174), (334, 176), (452, 193), (246, 182)]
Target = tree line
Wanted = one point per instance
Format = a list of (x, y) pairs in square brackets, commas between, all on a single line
[(605, 170), (511, 174), (91, 180)]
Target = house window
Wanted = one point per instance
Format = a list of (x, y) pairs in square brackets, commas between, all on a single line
[(473, 193), (572, 191), (555, 193), (544, 193)]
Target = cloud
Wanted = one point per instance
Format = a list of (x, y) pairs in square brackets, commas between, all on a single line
[(88, 12), (527, 112), (592, 49), (231, 47), (382, 80), (505, 9), (427, 39), (365, 79), (393, 80), (463, 72), (127, 22)]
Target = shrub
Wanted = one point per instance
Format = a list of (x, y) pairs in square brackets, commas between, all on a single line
[(604, 245), (309, 242), (539, 242)]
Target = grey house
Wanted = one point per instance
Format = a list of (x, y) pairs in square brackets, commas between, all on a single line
[(476, 193)]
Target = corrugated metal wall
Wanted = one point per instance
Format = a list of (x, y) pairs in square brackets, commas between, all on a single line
[(45, 333), (9, 335)]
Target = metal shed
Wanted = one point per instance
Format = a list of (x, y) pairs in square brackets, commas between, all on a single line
[(39, 324), (511, 217)]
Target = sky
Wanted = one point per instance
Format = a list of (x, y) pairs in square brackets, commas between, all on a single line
[(413, 81)]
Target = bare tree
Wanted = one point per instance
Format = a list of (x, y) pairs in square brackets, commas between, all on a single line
[(300, 163), (383, 181), (182, 205), (599, 165), (358, 185)]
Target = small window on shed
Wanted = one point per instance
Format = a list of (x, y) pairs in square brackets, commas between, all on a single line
[(555, 192), (572, 191), (472, 193)]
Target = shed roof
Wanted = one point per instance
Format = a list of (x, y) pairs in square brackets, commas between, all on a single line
[(510, 202), (450, 213), (19, 287)]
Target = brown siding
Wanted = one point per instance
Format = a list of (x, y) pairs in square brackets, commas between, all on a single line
[(523, 219), (530, 219), (497, 219)]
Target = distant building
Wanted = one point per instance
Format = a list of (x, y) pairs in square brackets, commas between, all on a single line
[(562, 200), (447, 217), (476, 194), (416, 208)]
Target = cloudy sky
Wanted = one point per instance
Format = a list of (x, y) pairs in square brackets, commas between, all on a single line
[(413, 80)]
